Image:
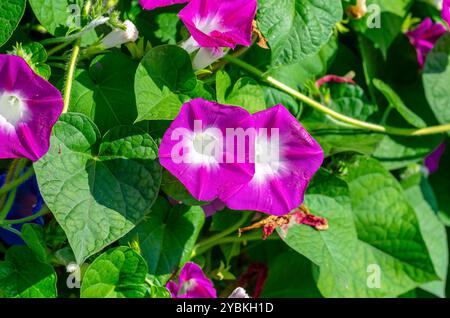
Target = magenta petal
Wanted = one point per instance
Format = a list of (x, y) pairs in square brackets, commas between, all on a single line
[(433, 160), (153, 4), (424, 37), (218, 23), (186, 150), (213, 207), (194, 283), (446, 11), (29, 108), (279, 185), (173, 289)]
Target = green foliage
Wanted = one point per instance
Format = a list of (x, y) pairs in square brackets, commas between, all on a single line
[(11, 12), (58, 16), (436, 76), (118, 273), (22, 275), (296, 29), (124, 227), (33, 236), (104, 93), (336, 137), (384, 21), (167, 236), (109, 200), (396, 103), (162, 73)]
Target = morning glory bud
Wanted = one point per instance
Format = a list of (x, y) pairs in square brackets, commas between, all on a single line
[(119, 36), (424, 37)]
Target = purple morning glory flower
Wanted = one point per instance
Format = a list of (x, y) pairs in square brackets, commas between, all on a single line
[(286, 158), (197, 152), (218, 23), (424, 37), (192, 283), (28, 201), (432, 161), (29, 107), (153, 4)]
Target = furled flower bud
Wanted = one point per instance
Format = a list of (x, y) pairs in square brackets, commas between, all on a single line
[(119, 36), (424, 37), (359, 10)]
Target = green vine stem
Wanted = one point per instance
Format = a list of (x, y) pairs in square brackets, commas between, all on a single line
[(42, 212), (57, 48), (14, 170), (70, 75), (8, 204), (16, 182), (345, 119), (13, 230), (256, 236), (211, 241)]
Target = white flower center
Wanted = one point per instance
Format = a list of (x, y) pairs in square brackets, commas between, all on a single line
[(203, 142), (268, 161), (12, 110), (206, 148), (209, 24), (187, 287)]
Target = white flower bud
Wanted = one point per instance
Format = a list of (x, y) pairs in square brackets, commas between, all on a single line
[(239, 293), (118, 36), (206, 56)]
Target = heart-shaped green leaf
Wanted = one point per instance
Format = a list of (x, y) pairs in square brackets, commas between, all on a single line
[(164, 72), (58, 16), (98, 189), (296, 29), (167, 237), (436, 78), (23, 275), (11, 12), (118, 273)]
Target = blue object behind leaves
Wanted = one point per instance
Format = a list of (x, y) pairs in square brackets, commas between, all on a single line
[(28, 201)]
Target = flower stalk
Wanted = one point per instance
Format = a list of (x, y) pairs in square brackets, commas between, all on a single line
[(433, 130), (212, 241), (70, 75)]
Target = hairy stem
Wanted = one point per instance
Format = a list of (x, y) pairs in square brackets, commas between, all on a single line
[(324, 109), (70, 75)]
